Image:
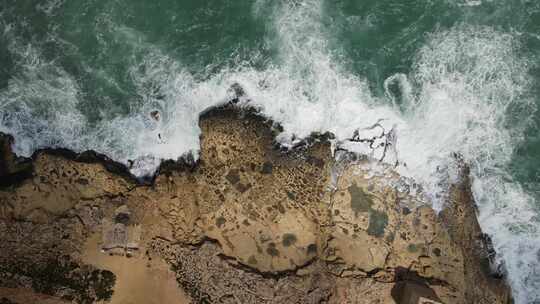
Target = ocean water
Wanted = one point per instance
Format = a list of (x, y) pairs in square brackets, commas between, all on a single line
[(439, 76)]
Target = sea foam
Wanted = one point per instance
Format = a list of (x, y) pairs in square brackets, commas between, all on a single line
[(462, 96)]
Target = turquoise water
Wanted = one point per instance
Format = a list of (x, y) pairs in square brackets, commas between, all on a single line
[(448, 76)]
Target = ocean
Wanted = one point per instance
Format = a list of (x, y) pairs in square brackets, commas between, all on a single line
[(446, 76)]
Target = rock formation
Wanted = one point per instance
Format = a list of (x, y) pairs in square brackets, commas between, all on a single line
[(246, 223)]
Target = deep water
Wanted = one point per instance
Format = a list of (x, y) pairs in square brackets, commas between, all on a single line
[(447, 75)]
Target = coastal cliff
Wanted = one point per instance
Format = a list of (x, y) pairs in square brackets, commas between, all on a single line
[(246, 223)]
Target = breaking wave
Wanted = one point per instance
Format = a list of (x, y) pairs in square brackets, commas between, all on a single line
[(468, 92)]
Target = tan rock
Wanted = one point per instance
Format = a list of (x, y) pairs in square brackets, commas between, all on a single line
[(249, 223)]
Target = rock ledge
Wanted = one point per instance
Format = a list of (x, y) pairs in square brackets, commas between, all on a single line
[(247, 223)]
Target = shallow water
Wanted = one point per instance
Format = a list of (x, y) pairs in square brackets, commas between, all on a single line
[(445, 75)]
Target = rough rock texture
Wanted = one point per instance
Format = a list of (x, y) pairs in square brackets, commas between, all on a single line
[(12, 168), (478, 252), (247, 223)]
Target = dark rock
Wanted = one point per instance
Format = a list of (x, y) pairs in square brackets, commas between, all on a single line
[(13, 169)]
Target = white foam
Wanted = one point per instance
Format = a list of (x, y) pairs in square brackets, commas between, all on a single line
[(469, 79), (39, 104), (456, 99)]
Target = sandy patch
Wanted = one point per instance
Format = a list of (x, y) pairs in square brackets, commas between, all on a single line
[(138, 280)]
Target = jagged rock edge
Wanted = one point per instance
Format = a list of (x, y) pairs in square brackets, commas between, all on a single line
[(185, 163)]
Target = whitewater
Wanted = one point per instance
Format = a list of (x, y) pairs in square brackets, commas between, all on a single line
[(468, 92)]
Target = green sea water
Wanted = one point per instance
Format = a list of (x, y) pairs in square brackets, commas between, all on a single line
[(451, 75)]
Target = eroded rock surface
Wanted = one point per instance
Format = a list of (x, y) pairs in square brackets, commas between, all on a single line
[(247, 223)]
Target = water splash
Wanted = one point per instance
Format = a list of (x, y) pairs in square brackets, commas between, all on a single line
[(467, 92)]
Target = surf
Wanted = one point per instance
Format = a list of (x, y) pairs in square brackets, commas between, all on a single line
[(467, 92)]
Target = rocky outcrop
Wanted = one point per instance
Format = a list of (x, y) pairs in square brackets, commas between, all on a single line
[(247, 223), (12, 168), (485, 279)]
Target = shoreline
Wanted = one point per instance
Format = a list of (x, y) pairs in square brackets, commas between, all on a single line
[(185, 162), (270, 215)]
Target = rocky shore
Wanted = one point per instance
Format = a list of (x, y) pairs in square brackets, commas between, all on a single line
[(246, 223)]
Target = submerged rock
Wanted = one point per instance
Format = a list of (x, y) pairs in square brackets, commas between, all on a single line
[(249, 223)]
